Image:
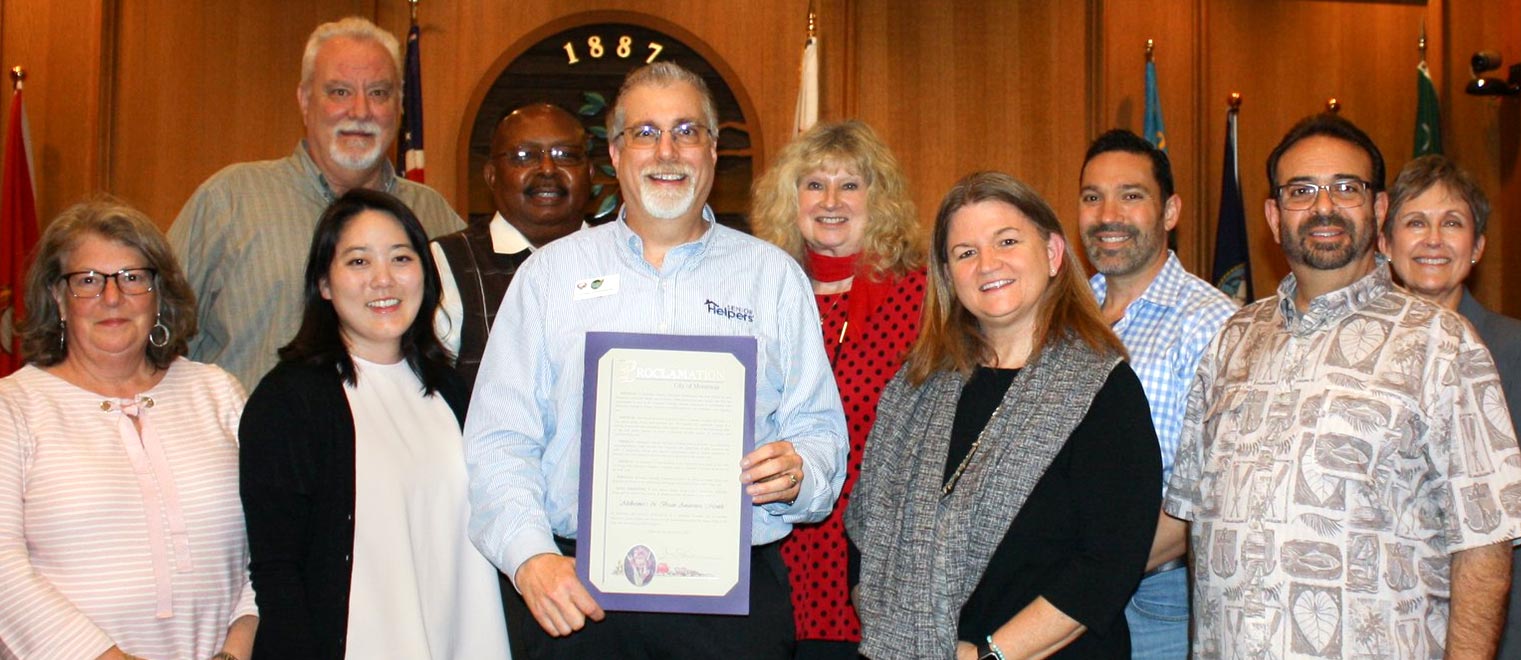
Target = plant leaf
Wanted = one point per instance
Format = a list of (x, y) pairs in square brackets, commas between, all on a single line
[(609, 203)]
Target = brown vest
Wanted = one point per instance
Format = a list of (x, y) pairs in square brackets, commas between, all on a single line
[(482, 276)]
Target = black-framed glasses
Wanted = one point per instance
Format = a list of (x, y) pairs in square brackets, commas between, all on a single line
[(529, 156), (685, 134), (90, 283), (1344, 193)]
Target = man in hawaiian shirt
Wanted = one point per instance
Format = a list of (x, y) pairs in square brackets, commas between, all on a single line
[(1347, 461)]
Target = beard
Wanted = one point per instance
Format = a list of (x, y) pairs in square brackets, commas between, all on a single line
[(349, 160), (1299, 249), (1133, 256), (668, 204)]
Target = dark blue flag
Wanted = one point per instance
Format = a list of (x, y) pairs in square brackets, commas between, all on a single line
[(409, 154), (1233, 262)]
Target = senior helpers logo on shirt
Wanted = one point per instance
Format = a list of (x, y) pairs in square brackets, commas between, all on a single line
[(730, 311)]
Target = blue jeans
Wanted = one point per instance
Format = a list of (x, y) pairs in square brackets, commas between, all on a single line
[(1158, 617)]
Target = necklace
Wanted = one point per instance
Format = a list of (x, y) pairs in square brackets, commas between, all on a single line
[(950, 484)]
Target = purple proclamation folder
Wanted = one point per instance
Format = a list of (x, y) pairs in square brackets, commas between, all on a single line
[(685, 384)]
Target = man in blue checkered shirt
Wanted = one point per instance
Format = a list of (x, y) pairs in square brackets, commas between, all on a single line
[(1166, 317)]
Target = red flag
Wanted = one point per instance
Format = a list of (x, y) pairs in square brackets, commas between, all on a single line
[(18, 221)]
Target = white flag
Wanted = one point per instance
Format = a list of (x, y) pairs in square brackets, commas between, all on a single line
[(808, 91)]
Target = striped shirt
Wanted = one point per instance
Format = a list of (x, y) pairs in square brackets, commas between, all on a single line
[(243, 239), (108, 537), (1165, 330), (523, 433)]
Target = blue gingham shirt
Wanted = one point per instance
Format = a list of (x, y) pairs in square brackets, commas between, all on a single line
[(523, 433), (1165, 330)]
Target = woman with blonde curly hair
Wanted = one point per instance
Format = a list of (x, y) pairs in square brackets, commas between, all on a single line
[(837, 202)]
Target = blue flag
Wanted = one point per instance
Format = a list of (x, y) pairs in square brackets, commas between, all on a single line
[(1154, 131), (1233, 262), (409, 153)]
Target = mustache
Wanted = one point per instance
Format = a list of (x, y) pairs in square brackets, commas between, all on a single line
[(356, 126), (546, 182), (1320, 220), (1116, 227), (668, 168)]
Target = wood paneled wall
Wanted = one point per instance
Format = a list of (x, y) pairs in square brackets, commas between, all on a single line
[(146, 98)]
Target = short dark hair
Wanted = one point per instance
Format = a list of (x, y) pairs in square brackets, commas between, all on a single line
[(109, 219), (319, 341), (1421, 174), (1329, 125), (1120, 139)]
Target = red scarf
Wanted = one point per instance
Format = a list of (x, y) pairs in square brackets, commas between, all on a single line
[(868, 292)]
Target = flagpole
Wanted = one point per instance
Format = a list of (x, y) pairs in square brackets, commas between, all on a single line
[(18, 75), (812, 20), (413, 4), (1333, 106)]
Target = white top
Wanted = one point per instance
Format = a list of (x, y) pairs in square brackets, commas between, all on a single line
[(419, 589), (111, 536)]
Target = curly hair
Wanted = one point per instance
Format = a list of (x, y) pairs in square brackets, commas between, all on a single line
[(113, 220), (893, 244)]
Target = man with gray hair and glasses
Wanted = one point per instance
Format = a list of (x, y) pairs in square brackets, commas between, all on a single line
[(1347, 462), (666, 267), (243, 236)]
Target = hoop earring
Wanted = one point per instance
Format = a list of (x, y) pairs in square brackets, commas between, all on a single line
[(63, 334), (158, 326)]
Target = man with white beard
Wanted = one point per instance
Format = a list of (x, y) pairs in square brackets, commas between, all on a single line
[(663, 267), (243, 236)]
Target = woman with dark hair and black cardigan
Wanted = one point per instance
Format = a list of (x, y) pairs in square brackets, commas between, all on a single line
[(352, 472)]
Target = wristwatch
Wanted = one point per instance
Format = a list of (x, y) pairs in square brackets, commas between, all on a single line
[(985, 652)]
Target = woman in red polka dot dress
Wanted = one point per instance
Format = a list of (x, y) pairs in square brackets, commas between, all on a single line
[(838, 203)]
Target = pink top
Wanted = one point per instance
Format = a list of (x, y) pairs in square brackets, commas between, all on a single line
[(114, 535)]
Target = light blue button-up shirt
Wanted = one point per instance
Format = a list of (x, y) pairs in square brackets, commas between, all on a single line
[(523, 433), (1165, 331)]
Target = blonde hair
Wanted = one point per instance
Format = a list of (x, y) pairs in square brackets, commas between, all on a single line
[(950, 338), (893, 244)]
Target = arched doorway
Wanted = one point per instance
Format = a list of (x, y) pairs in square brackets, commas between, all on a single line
[(579, 68)]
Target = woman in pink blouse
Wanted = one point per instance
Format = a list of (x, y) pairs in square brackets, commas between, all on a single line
[(121, 533)]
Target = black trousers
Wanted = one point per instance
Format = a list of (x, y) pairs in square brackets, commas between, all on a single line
[(767, 632)]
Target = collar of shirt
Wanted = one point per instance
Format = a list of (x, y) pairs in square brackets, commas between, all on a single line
[(506, 239), (319, 181), (1164, 291), (676, 257), (1334, 306)]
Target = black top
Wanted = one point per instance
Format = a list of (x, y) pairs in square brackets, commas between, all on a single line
[(481, 276), (296, 476), (1082, 538)]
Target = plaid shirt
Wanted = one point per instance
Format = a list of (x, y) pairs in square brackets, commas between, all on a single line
[(1165, 330)]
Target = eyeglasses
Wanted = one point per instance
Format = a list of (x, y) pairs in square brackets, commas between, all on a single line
[(1345, 193), (685, 134), (90, 284), (529, 156)]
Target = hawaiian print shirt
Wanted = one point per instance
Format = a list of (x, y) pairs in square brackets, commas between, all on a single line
[(1331, 462)]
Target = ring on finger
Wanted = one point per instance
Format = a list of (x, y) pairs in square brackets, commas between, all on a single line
[(791, 480)]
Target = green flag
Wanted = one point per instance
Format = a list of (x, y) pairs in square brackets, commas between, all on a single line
[(1428, 114), (1153, 130)]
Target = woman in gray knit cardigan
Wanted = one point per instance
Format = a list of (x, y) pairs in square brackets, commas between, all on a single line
[(1009, 489)]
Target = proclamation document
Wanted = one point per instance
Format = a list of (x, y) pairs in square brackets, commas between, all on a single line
[(664, 525)]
